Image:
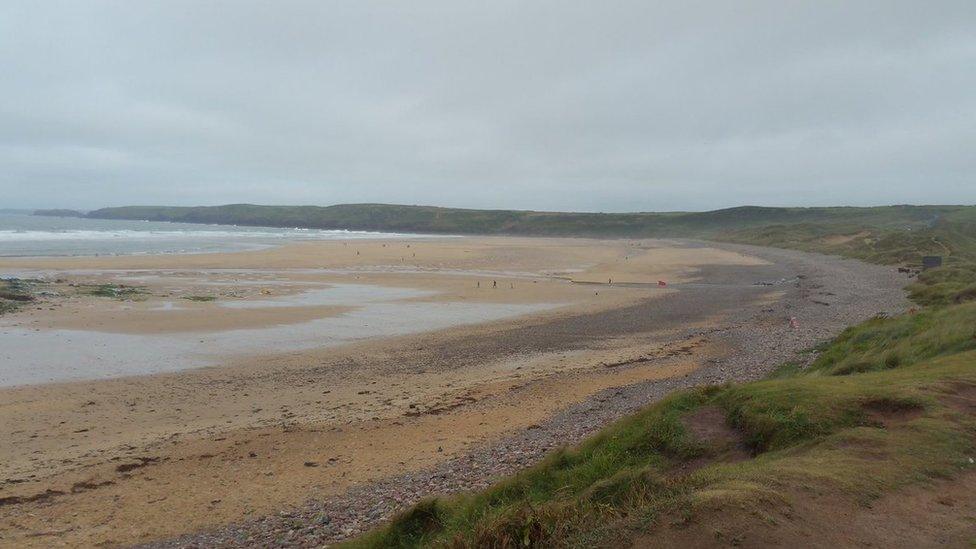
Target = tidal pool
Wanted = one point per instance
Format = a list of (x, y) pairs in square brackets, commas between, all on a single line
[(29, 356)]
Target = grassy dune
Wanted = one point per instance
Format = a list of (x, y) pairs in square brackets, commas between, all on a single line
[(888, 404), (952, 284), (902, 245)]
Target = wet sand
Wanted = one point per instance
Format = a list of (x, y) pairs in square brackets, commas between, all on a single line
[(264, 428)]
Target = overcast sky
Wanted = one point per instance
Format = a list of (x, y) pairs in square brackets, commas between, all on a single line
[(560, 105)]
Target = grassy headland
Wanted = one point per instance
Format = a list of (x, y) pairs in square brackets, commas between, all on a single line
[(59, 213), (889, 234), (887, 404), (387, 217)]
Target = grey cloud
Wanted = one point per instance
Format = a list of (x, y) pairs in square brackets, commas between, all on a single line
[(547, 105)]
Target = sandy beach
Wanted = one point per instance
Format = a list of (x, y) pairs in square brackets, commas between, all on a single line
[(227, 387)]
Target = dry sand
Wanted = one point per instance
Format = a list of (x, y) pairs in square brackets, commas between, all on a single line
[(133, 459)]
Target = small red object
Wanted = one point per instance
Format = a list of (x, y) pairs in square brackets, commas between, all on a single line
[(661, 283)]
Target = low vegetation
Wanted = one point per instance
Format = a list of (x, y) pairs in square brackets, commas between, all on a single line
[(116, 291), (7, 306), (14, 293), (892, 246), (200, 298), (952, 284), (17, 292), (16, 289), (888, 403)]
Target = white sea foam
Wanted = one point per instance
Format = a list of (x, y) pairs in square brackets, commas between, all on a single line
[(34, 236), (24, 235)]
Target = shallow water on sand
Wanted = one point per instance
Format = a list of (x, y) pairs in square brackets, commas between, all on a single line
[(29, 356), (335, 294)]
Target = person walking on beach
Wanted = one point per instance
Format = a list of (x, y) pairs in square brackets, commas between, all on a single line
[(494, 283)]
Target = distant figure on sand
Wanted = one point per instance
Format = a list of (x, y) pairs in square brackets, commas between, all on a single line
[(494, 283)]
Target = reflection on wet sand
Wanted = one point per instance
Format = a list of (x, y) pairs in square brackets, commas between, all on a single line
[(345, 312)]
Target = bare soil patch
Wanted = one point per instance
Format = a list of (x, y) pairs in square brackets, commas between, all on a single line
[(723, 443), (886, 413), (939, 514), (962, 397)]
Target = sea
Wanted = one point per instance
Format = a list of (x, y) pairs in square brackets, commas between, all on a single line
[(25, 235)]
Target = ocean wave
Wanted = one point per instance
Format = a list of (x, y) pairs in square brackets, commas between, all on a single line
[(127, 234)]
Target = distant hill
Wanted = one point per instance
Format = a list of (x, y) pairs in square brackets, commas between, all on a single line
[(59, 213), (428, 219), (884, 234)]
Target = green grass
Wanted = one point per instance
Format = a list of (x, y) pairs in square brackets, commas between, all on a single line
[(201, 298), (952, 284), (8, 306), (14, 294), (874, 412), (115, 291), (17, 289), (900, 245), (883, 344)]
